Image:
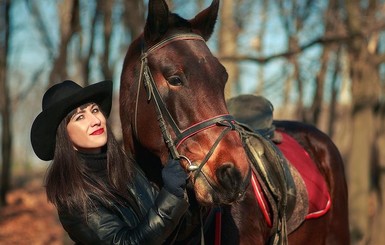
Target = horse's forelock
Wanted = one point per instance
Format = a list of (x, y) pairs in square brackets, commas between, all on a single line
[(202, 24), (161, 21), (175, 21), (175, 24)]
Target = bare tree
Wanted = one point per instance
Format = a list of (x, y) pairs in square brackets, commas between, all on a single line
[(332, 25), (134, 17), (364, 74), (68, 12), (85, 50), (377, 219), (101, 15), (334, 91), (68, 25), (259, 45), (227, 42), (106, 9), (294, 15), (6, 136)]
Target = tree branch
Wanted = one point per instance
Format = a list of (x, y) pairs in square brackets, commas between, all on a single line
[(290, 53)]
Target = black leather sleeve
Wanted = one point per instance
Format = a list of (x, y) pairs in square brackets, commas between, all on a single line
[(104, 226)]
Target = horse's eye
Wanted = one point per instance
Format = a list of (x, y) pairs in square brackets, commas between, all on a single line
[(174, 81)]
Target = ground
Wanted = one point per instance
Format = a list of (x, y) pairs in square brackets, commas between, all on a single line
[(29, 218)]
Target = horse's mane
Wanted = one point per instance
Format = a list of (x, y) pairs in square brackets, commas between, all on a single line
[(175, 21)]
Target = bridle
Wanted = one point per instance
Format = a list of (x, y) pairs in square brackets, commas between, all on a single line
[(163, 115), (226, 121)]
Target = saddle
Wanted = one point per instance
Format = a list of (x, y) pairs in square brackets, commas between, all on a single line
[(281, 183)]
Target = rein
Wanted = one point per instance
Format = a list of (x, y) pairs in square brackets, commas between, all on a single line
[(164, 115)]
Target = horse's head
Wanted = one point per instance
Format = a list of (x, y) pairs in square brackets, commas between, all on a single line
[(172, 102)]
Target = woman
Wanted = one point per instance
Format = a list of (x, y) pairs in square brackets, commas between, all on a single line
[(101, 195)]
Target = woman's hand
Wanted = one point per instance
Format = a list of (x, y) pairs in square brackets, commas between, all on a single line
[(174, 178)]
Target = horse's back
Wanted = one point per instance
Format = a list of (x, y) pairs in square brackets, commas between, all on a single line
[(329, 162), (321, 149)]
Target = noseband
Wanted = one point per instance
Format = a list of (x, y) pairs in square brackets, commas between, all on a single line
[(226, 120)]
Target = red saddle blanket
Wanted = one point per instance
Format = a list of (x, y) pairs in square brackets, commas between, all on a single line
[(318, 193)]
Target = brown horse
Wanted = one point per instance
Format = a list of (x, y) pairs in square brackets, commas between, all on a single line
[(172, 103)]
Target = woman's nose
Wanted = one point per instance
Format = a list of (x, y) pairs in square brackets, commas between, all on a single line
[(95, 120)]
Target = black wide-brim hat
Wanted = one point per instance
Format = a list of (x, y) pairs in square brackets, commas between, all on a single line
[(58, 101)]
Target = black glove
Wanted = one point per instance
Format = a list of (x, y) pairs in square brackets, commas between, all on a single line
[(174, 178)]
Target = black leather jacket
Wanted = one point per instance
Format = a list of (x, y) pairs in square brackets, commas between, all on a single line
[(118, 224)]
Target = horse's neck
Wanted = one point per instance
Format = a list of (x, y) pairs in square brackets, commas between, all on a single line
[(245, 217)]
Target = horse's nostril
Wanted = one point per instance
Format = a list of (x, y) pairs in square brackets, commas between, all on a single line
[(228, 176)]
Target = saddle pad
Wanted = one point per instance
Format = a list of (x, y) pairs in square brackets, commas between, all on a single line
[(318, 194)]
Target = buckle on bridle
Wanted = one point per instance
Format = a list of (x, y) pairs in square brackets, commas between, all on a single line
[(226, 123)]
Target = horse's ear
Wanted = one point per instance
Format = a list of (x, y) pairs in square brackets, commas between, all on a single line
[(157, 20), (204, 22)]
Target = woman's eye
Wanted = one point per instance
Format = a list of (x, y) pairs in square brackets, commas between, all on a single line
[(174, 81), (80, 117), (95, 110)]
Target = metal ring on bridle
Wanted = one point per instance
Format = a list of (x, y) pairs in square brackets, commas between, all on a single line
[(191, 167)]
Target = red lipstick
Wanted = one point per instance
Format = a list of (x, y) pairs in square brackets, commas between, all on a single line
[(98, 132)]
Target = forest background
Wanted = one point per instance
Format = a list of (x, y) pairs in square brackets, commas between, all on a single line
[(321, 62)]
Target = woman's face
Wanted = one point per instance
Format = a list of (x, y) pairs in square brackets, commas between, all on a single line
[(87, 129)]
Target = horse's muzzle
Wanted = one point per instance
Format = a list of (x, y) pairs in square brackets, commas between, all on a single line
[(224, 187)]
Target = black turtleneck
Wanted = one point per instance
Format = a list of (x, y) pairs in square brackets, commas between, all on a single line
[(96, 164)]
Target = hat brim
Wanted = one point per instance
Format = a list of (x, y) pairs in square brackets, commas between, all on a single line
[(44, 127)]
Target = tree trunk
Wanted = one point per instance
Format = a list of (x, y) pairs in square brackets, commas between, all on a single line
[(260, 47), (334, 92), (228, 36), (6, 136), (134, 17), (67, 11), (365, 95), (378, 212), (313, 115), (292, 25), (294, 61), (364, 80), (358, 172), (107, 24)]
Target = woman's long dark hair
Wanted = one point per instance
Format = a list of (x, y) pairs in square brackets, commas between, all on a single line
[(68, 184)]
